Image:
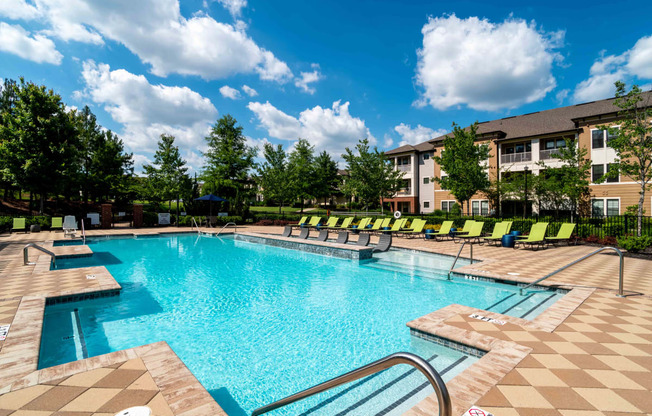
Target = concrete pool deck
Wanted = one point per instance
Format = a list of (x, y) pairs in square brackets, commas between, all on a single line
[(592, 356)]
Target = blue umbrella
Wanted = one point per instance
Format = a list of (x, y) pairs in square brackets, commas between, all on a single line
[(211, 198)]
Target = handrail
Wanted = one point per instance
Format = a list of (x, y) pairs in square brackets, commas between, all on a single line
[(620, 278), (458, 256), (226, 225), (445, 407), (83, 231), (195, 222), (26, 261)]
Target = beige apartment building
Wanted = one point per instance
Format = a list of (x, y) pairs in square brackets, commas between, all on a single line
[(519, 144)]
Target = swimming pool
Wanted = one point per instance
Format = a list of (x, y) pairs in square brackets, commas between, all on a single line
[(255, 323)]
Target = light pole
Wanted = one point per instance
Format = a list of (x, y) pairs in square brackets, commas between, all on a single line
[(527, 169)]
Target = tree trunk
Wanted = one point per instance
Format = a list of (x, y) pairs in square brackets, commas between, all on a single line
[(177, 224), (382, 206), (31, 200), (641, 200), (40, 211)]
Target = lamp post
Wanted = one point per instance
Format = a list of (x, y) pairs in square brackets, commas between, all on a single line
[(527, 169)]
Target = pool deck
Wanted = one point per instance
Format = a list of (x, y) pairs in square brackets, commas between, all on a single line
[(589, 354)]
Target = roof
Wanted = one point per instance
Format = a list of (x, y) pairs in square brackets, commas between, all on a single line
[(557, 120), (421, 147)]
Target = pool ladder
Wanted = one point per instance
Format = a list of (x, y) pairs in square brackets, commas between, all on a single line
[(226, 225), (458, 256), (26, 261), (194, 223), (443, 398)]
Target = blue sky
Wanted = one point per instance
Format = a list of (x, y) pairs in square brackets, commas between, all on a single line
[(331, 72)]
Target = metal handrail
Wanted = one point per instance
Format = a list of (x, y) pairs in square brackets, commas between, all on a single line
[(620, 278), (458, 256), (83, 231), (226, 225), (445, 407), (195, 222), (26, 261)]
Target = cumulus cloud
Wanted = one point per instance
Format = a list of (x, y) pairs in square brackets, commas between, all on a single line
[(562, 95), (37, 48), (484, 65), (249, 91), (146, 110), (640, 58), (229, 92), (234, 6), (417, 135), (303, 82), (160, 36), (331, 129), (18, 9)]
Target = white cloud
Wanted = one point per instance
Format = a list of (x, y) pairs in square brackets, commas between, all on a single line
[(640, 58), (484, 65), (229, 92), (37, 48), (156, 31), (308, 78), (562, 95), (146, 110), (249, 91), (18, 9), (234, 6), (603, 74), (331, 129), (417, 135)]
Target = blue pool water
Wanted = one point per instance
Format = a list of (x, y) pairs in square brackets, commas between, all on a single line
[(255, 323)]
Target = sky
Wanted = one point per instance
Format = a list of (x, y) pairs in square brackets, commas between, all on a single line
[(332, 72)]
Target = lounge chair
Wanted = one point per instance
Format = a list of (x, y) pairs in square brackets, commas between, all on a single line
[(332, 222), (444, 231), (57, 223), (384, 243), (385, 223), (468, 224), (304, 233), (536, 238), (19, 225), (303, 220), (361, 225), (163, 218), (305, 223), (323, 235), (415, 230), (396, 227), (69, 226), (474, 235), (363, 239), (345, 224), (287, 231), (565, 234), (376, 227), (500, 229), (342, 237)]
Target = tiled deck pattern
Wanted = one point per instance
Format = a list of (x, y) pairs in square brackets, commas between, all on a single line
[(590, 361)]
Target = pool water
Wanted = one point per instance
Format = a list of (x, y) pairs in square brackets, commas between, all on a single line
[(256, 323)]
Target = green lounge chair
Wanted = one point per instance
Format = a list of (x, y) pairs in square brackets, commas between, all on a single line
[(302, 221), (565, 234), (500, 229), (313, 221), (57, 223), (398, 224), (444, 231), (362, 224), (537, 237), (474, 234), (415, 230), (468, 224), (332, 222), (376, 227), (345, 224), (19, 225)]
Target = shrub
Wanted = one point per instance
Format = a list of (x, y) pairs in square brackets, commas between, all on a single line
[(635, 244)]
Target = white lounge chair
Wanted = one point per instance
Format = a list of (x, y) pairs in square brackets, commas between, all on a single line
[(69, 226), (164, 219)]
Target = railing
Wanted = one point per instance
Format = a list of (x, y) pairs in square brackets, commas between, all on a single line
[(404, 168), (193, 221), (83, 231), (458, 256), (620, 274), (226, 225), (548, 154), (445, 407), (404, 191), (26, 261), (516, 157)]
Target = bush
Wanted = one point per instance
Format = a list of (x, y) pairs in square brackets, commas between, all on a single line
[(635, 244)]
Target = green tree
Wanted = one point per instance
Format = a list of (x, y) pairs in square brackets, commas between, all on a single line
[(273, 175), (38, 140), (228, 163), (168, 174), (326, 177), (7, 105), (464, 163), (372, 176), (301, 171), (633, 140)]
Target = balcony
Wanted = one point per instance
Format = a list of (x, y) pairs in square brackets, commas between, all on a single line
[(404, 191), (548, 154), (404, 168), (516, 157)]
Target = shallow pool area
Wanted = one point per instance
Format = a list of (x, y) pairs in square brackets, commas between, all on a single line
[(255, 323)]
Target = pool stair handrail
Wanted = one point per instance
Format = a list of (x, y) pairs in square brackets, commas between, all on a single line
[(83, 231), (443, 397), (193, 222), (458, 256), (26, 261), (226, 225), (620, 273)]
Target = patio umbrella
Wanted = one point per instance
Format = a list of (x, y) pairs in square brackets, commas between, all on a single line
[(211, 198)]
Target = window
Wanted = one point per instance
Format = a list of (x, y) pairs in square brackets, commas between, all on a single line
[(550, 144), (597, 172), (613, 207), (484, 207), (518, 148), (426, 156), (426, 181), (447, 205), (405, 160), (475, 207), (597, 208), (597, 139), (610, 168), (611, 136), (426, 204)]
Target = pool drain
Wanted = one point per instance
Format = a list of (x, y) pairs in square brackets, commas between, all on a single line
[(135, 411)]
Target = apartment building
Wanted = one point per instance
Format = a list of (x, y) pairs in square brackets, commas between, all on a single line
[(518, 144)]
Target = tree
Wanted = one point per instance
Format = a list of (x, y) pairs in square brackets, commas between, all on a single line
[(168, 174), (326, 177), (464, 163), (7, 105), (301, 171), (633, 140), (228, 162), (273, 175), (38, 140), (372, 176)]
